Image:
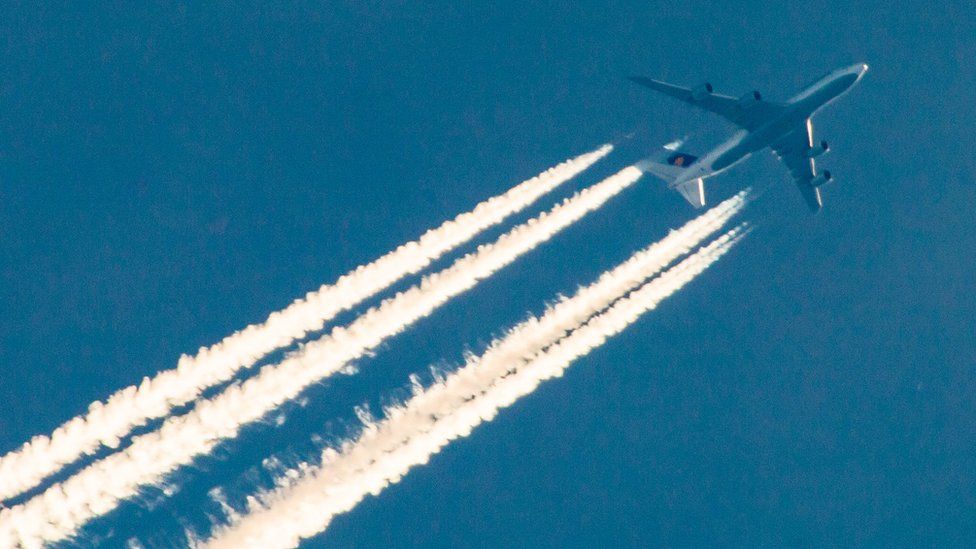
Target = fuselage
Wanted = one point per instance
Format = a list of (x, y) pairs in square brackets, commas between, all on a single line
[(798, 110)]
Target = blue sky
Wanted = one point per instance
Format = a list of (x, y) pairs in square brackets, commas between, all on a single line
[(171, 174)]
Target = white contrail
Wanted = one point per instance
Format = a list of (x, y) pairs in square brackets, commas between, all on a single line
[(106, 422), (97, 489), (415, 431)]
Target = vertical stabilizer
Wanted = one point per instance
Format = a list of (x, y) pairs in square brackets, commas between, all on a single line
[(672, 168)]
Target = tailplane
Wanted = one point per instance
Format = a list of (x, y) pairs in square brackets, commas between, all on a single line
[(671, 168), (693, 191)]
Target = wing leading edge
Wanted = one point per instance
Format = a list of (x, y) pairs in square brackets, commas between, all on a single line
[(792, 150), (748, 112)]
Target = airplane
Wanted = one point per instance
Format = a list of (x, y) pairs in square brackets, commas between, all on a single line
[(784, 127)]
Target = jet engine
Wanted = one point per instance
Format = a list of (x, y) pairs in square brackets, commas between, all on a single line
[(814, 152), (821, 179), (750, 99), (701, 92)]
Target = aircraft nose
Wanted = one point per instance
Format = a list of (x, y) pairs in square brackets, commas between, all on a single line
[(859, 69)]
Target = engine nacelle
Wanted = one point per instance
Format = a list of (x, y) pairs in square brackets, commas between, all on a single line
[(821, 179), (750, 99), (701, 92), (814, 152)]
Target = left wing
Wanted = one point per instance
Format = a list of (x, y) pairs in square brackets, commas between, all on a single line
[(749, 111), (793, 149)]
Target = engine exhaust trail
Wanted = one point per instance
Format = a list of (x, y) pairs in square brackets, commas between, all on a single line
[(451, 409), (106, 422), (97, 489)]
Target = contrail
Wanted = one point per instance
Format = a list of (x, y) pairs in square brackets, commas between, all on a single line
[(106, 422), (450, 409), (97, 489)]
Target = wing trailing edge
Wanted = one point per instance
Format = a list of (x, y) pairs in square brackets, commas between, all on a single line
[(749, 111)]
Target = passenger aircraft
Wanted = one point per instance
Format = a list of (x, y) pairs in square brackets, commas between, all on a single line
[(785, 127)]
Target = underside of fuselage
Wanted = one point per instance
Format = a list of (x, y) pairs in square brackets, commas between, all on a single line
[(784, 127)]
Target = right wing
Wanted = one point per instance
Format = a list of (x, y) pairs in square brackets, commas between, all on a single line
[(748, 113), (792, 150)]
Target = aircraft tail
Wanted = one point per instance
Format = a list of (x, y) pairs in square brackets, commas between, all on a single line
[(670, 168), (693, 191)]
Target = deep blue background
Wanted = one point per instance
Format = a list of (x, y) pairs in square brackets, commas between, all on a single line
[(171, 174)]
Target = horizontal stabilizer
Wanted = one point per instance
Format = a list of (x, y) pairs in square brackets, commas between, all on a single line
[(673, 167), (669, 166), (693, 191), (666, 172)]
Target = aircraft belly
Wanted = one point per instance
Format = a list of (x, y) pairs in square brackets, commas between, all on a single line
[(760, 139), (825, 95), (784, 127), (736, 153)]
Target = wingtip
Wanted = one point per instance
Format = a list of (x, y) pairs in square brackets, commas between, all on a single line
[(816, 207)]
